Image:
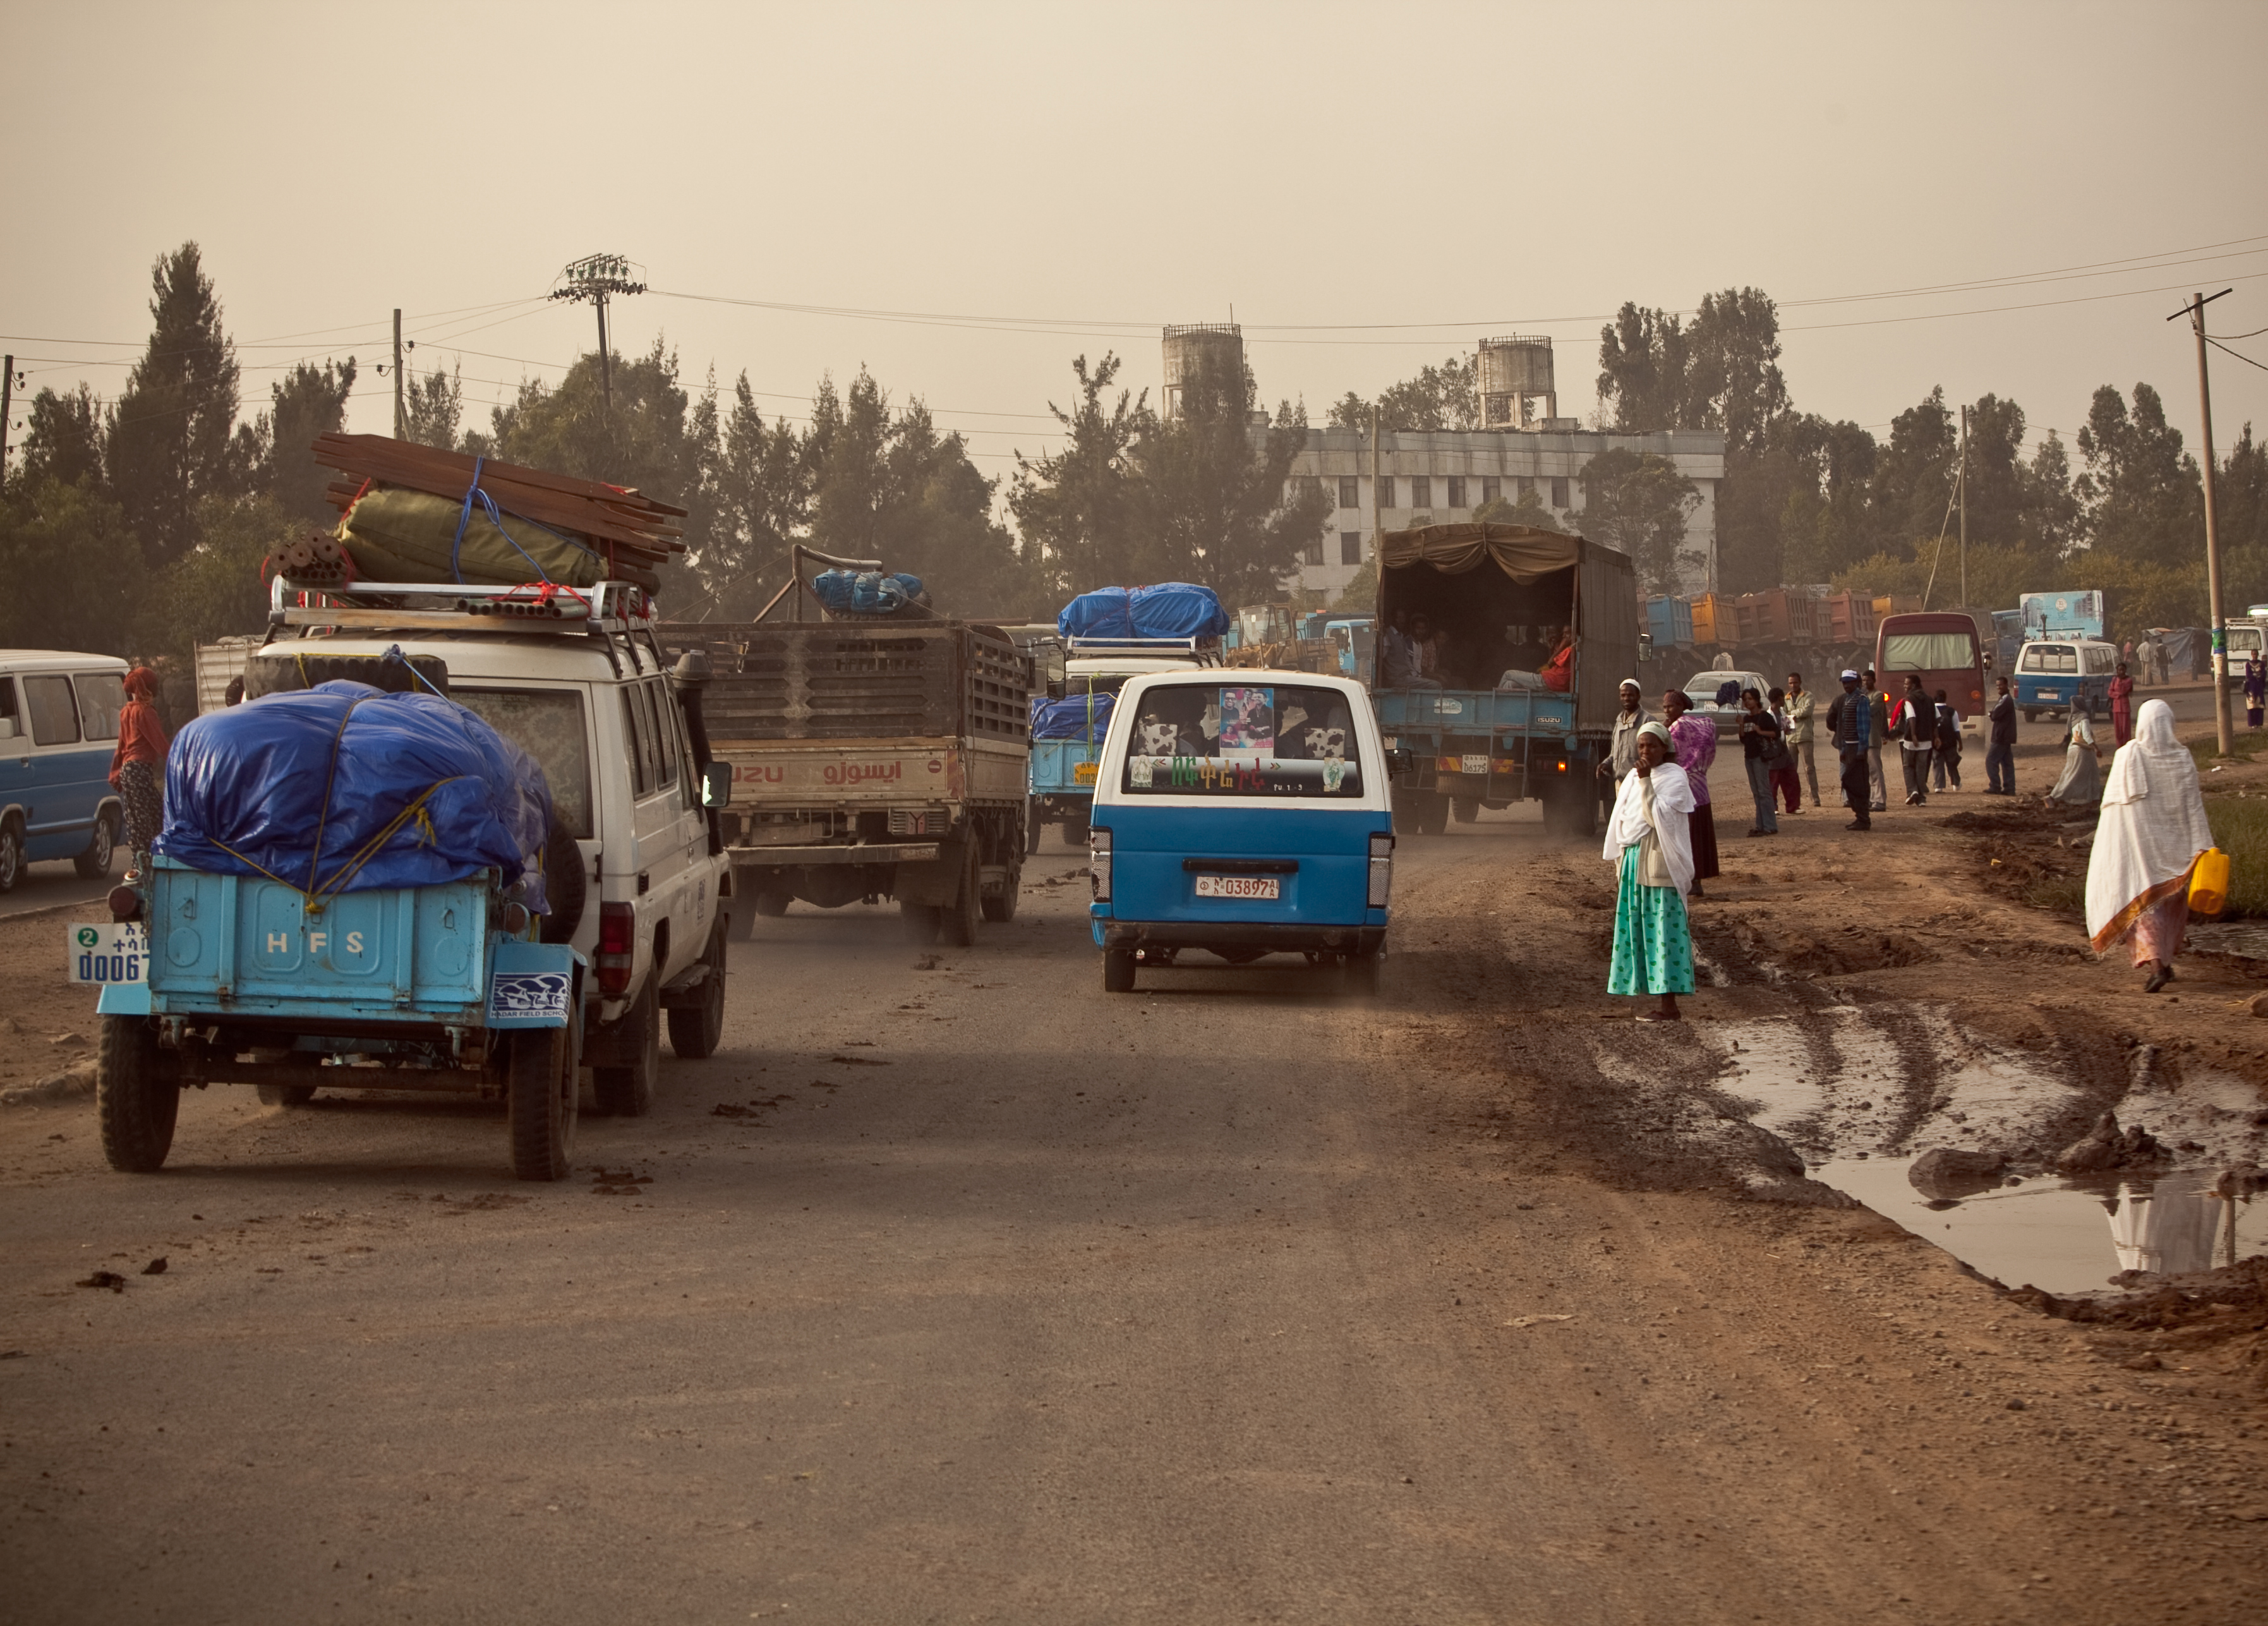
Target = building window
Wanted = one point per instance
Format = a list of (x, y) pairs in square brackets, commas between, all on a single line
[(1527, 488), (1350, 491), (1491, 490), (1386, 491), (1350, 547), (1421, 491), (1456, 490), (1559, 491), (1313, 553)]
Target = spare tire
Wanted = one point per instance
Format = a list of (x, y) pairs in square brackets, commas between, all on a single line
[(275, 669), (566, 887)]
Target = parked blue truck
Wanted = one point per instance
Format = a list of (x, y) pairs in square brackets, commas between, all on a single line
[(1490, 729)]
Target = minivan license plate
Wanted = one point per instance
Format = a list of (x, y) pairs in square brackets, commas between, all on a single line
[(1238, 887)]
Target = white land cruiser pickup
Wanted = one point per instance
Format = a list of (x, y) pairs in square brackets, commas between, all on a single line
[(578, 680)]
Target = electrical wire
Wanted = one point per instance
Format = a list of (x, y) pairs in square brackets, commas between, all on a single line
[(2240, 355)]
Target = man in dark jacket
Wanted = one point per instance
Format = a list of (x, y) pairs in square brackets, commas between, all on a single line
[(1851, 726), (2000, 750)]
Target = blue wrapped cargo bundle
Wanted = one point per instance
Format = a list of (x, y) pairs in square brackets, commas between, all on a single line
[(1075, 717), (344, 787), (867, 593), (1168, 610)]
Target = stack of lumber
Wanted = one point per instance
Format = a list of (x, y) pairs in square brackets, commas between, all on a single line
[(614, 534)]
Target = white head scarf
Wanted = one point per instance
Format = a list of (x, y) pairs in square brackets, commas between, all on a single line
[(2152, 827)]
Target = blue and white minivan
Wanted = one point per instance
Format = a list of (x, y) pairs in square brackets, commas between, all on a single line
[(58, 731), (1244, 813), (2050, 671)]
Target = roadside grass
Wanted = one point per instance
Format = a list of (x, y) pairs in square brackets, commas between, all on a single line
[(2240, 828), (2064, 893), (2207, 748)]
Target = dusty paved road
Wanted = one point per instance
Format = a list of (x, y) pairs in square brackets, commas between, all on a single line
[(993, 1299)]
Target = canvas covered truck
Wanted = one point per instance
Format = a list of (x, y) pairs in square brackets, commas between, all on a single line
[(871, 759), (1496, 724)]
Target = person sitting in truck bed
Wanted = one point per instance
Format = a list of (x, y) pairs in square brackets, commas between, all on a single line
[(1398, 657)]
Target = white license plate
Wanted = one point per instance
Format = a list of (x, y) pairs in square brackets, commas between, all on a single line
[(106, 953), (1476, 764), (1238, 887)]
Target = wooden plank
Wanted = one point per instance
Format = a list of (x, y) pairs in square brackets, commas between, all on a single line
[(461, 467), (658, 547), (613, 517)]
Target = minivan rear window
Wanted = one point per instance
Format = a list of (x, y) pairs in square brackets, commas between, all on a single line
[(548, 724), (2050, 658), (1279, 741)]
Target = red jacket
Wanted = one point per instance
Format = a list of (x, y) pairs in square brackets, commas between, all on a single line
[(141, 736)]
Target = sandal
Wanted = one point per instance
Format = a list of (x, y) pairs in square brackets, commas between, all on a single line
[(2159, 975)]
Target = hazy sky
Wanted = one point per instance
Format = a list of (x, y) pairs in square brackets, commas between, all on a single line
[(1037, 182)]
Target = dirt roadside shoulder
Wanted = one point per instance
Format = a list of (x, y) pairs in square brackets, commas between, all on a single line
[(1824, 1370)]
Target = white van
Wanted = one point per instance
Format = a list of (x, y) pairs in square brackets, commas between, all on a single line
[(58, 732), (609, 725)]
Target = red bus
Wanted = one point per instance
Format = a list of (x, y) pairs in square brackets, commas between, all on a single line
[(1942, 649)]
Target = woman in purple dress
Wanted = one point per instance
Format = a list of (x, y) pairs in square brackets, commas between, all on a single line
[(1695, 740)]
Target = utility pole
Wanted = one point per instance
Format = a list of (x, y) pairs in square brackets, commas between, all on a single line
[(595, 278), (401, 415), (2224, 722), (7, 404), (1962, 485)]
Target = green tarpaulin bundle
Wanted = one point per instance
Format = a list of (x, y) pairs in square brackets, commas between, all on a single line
[(397, 535)]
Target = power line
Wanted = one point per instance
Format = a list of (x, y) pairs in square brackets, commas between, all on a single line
[(2240, 355)]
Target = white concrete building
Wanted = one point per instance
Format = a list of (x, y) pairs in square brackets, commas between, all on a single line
[(1441, 478)]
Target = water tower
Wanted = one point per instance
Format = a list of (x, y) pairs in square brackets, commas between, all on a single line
[(1514, 371), (1215, 344)]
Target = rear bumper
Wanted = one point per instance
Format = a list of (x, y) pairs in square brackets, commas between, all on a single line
[(861, 852), (1294, 937)]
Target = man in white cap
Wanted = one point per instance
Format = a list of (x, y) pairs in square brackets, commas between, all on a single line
[(1621, 754)]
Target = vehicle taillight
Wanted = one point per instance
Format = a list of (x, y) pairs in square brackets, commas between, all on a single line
[(617, 941), (1098, 863), (1381, 868)]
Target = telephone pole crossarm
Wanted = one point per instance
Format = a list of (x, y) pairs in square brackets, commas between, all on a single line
[(596, 277)]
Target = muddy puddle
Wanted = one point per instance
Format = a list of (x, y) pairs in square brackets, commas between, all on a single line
[(2067, 1237), (1862, 1092)]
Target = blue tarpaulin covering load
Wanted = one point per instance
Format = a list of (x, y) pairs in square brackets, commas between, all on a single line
[(344, 787), (1068, 718), (1168, 610), (867, 593)]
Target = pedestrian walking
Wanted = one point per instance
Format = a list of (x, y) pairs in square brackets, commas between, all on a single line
[(2001, 749), (2145, 653), (1801, 704), (2121, 707), (1945, 767), (2147, 843), (2080, 784), (1693, 740), (1787, 778), (1878, 704), (1622, 748), (137, 767), (1850, 720), (2256, 689), (1915, 725), (1761, 750), (1648, 837)]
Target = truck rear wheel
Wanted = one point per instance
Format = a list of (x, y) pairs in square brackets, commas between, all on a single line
[(136, 1095), (628, 1091), (284, 1094), (920, 922), (540, 1102), (1432, 813), (1466, 809), (1000, 907), (695, 1031), (1118, 970), (773, 903), (1032, 829), (959, 917), (1075, 829)]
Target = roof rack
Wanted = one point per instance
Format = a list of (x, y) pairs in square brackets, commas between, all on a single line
[(1138, 646), (528, 607)]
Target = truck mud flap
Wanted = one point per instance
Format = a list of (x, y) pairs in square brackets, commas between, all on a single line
[(935, 882)]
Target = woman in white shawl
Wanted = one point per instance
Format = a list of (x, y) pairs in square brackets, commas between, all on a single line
[(2146, 841), (2082, 783), (1648, 838)]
